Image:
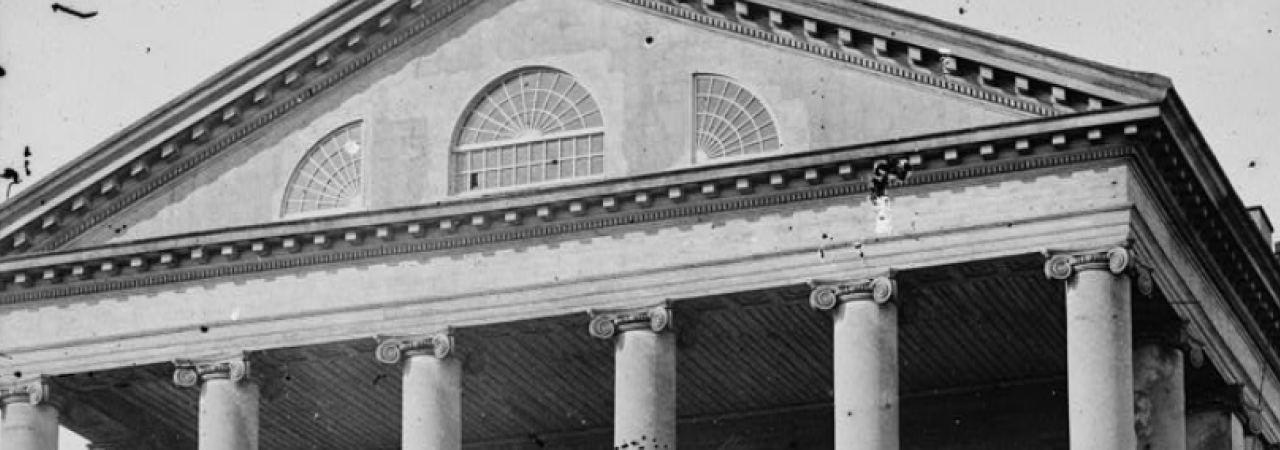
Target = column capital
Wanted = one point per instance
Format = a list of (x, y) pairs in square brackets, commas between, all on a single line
[(33, 391), (605, 325), (827, 294), (1118, 260), (392, 348), (188, 372)]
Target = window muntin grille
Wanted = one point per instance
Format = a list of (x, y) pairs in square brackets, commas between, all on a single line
[(729, 120), (329, 175), (534, 126)]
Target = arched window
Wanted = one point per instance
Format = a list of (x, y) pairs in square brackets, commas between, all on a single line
[(729, 120), (329, 175), (532, 126)]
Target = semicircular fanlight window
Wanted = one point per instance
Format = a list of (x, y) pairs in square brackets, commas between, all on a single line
[(729, 120), (533, 126), (329, 175)]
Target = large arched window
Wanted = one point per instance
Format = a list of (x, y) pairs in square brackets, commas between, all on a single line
[(329, 175), (729, 120), (532, 126)]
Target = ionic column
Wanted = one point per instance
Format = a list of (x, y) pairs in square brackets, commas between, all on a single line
[(229, 400), (1217, 419), (30, 418), (1099, 348), (1160, 401), (431, 402), (644, 412), (1215, 429), (866, 361)]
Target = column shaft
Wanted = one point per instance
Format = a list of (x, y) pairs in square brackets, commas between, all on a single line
[(1214, 429), (432, 402), (645, 390), (1160, 398), (29, 427), (228, 415), (866, 376), (1099, 361)]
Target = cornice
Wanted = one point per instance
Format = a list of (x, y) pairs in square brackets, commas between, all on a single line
[(1213, 223), (749, 185), (234, 118), (1123, 85), (340, 52), (843, 38)]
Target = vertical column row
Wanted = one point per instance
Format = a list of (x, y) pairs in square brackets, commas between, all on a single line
[(865, 359)]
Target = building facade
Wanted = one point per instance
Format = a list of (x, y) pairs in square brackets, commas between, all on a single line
[(757, 224)]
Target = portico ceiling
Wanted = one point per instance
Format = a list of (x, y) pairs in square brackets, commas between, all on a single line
[(748, 354)]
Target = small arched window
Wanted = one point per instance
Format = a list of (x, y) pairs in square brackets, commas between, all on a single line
[(729, 120), (532, 126), (329, 175)]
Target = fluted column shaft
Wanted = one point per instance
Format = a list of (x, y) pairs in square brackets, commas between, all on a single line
[(229, 401), (865, 361), (431, 402), (644, 414), (1099, 348), (30, 421)]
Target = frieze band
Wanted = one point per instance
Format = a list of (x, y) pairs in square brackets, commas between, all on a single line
[(1118, 261), (826, 295), (392, 350), (605, 325)]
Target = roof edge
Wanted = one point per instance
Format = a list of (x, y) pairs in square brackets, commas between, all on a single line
[(1032, 59), (168, 116)]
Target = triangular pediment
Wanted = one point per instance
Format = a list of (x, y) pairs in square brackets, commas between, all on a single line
[(223, 155)]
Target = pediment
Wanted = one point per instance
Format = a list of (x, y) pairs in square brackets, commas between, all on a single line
[(221, 156)]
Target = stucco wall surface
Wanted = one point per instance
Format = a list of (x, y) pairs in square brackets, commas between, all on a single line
[(638, 66)]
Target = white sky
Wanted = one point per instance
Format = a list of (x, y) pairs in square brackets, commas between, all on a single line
[(71, 83)]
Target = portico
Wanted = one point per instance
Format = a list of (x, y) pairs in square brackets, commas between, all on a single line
[(577, 258)]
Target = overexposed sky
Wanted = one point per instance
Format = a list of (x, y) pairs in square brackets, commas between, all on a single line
[(70, 83)]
